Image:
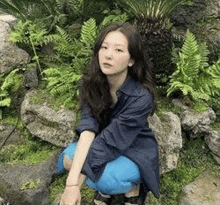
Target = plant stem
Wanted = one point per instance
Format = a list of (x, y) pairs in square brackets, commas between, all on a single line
[(35, 55)]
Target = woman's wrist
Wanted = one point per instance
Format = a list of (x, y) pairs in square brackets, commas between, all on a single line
[(72, 185)]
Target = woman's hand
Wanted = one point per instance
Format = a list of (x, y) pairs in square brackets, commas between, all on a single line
[(71, 196)]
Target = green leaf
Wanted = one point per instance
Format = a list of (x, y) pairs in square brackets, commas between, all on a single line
[(5, 102)]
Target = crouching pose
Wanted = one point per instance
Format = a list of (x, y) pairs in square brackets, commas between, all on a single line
[(116, 153)]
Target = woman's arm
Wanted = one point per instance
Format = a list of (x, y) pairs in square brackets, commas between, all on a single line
[(82, 149), (75, 179)]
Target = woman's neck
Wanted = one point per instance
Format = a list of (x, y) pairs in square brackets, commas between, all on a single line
[(116, 81)]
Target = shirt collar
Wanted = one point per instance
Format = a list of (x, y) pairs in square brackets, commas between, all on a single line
[(130, 87)]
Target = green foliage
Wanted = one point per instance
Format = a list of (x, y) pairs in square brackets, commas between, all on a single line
[(151, 9), (30, 184), (63, 79), (24, 31), (89, 32), (48, 13), (63, 83), (194, 76), (113, 18), (12, 82), (30, 151)]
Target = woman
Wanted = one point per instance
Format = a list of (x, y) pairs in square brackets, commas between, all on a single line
[(116, 152)]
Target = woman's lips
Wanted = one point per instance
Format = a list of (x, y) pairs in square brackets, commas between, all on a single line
[(107, 65)]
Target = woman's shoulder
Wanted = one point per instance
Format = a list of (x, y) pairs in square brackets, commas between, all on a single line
[(133, 88)]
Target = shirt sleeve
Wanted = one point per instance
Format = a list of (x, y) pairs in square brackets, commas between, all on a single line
[(87, 123), (124, 129)]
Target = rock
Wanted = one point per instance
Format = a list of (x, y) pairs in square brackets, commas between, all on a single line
[(178, 103), (189, 15), (168, 135), (205, 190), (217, 159), (5, 131), (11, 20), (47, 124), (3, 202), (10, 55), (213, 142), (202, 19), (23, 184), (31, 78), (197, 124)]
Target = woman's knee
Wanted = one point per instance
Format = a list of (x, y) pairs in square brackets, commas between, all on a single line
[(67, 162)]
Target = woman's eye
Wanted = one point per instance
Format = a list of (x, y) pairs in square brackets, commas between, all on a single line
[(119, 50), (103, 47)]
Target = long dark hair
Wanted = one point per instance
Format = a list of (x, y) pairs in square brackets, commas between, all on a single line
[(95, 90)]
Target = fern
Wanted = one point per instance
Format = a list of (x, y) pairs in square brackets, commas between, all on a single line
[(193, 75), (11, 84), (63, 82), (24, 31), (89, 32), (120, 18), (5, 100)]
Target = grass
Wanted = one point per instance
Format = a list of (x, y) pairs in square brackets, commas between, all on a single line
[(215, 125), (13, 120), (165, 104), (58, 186)]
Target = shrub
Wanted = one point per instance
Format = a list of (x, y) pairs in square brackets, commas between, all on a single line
[(193, 76)]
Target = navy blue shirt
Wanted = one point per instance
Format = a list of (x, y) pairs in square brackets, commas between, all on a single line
[(126, 134)]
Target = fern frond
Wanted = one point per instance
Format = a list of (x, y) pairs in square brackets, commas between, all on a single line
[(52, 72), (18, 33), (64, 34), (204, 52), (12, 82), (113, 19), (89, 32), (5, 102)]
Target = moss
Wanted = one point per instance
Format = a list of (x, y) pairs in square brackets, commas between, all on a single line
[(13, 120), (200, 107), (55, 103), (87, 194), (31, 151), (164, 104), (58, 186), (215, 125), (30, 184)]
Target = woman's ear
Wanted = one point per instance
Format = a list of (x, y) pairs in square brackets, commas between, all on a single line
[(131, 63)]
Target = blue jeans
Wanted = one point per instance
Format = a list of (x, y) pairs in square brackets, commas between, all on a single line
[(118, 177)]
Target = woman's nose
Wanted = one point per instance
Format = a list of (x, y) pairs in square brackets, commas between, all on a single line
[(109, 54)]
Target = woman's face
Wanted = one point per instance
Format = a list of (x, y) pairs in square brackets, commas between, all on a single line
[(114, 57)]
